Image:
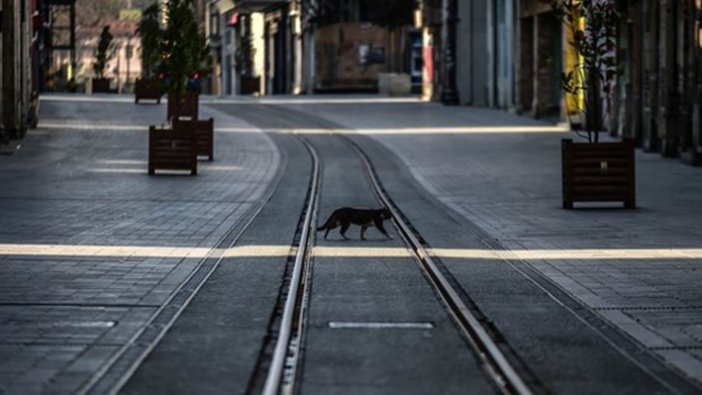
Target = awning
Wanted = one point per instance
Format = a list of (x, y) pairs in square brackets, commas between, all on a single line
[(224, 5)]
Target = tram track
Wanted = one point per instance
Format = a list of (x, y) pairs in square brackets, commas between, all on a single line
[(282, 378), (510, 371)]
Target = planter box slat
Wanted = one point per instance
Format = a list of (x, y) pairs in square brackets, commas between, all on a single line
[(589, 147), (604, 181), (204, 130), (596, 162), (147, 89), (591, 172), (101, 85), (598, 172), (600, 190), (187, 106), (601, 198), (172, 149)]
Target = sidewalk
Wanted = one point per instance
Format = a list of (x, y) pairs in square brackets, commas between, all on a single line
[(639, 269), (91, 247)]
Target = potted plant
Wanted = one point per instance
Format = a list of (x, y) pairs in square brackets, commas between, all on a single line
[(593, 171), (184, 55), (172, 149), (103, 54), (184, 50), (149, 86)]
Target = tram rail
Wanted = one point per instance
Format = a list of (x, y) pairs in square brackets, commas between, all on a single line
[(281, 376)]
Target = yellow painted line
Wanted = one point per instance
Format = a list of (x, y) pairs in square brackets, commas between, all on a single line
[(467, 130), (91, 126), (570, 254), (343, 252), (316, 131), (361, 252), (131, 128)]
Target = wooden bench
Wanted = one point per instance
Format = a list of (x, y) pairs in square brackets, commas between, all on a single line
[(204, 131), (598, 172), (172, 149)]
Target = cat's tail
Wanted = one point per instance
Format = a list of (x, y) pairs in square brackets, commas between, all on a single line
[(327, 225)]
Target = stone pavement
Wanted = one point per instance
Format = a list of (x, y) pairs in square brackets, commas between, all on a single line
[(91, 247), (639, 269)]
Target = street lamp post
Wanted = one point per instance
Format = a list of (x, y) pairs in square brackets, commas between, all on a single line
[(449, 95)]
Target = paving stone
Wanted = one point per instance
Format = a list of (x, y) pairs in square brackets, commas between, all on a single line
[(508, 184), (80, 181)]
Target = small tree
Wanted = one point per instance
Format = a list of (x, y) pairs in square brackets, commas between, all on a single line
[(104, 52), (592, 25), (150, 33), (184, 47)]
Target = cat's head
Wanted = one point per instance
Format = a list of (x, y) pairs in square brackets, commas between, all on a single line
[(385, 213)]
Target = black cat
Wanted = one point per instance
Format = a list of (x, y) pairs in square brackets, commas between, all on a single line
[(346, 216)]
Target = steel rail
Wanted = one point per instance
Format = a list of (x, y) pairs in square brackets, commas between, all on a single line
[(496, 364), (294, 308), (172, 308)]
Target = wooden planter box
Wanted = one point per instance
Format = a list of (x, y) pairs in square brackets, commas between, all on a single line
[(172, 149), (186, 108), (101, 85), (204, 132), (148, 89), (250, 85), (598, 172)]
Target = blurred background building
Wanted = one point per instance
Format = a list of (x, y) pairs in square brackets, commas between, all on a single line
[(504, 54)]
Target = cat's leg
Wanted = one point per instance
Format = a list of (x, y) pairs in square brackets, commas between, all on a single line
[(344, 228), (331, 226), (363, 230), (381, 229)]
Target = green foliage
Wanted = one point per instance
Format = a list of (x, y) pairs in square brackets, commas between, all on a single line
[(183, 46), (149, 31), (594, 42), (104, 52)]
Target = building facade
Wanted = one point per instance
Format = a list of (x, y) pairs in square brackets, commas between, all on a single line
[(658, 93), (485, 59), (253, 46), (300, 46), (18, 67)]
